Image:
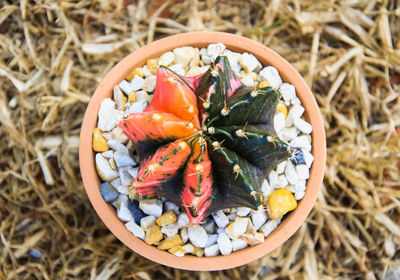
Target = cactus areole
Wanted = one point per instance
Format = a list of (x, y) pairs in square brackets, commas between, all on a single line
[(205, 142)]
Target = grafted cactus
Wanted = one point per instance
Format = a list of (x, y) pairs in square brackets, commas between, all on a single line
[(205, 142)]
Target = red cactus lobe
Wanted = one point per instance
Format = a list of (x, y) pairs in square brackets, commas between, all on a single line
[(156, 126), (161, 167), (173, 95), (198, 183)]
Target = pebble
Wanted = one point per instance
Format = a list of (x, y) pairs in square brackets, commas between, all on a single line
[(115, 183), (220, 219), (295, 101), (265, 188), (137, 107), (308, 158), (126, 87), (153, 235), (212, 239), (287, 91), (184, 234), (288, 133), (198, 236), (291, 174), (212, 251), (99, 142), (283, 182), (137, 83), (149, 84), (270, 226), (254, 239), (108, 154), (231, 217), (123, 212), (197, 71), (295, 112), (108, 192), (118, 135), (147, 221), (299, 195), (224, 244), (238, 244), (247, 80), (170, 206), (259, 218), (302, 171), (170, 242), (117, 146), (214, 50), (124, 176), (189, 248), (233, 59), (273, 178), (297, 158), (183, 220), (206, 59), (105, 122), (170, 229), (146, 71), (186, 55), (104, 169), (178, 251), (135, 229), (137, 213), (249, 62), (119, 98), (301, 142), (281, 167), (178, 69), (151, 207), (271, 74), (209, 226), (244, 211), (302, 125), (137, 71), (166, 218), (142, 95), (166, 59), (280, 202), (235, 229), (122, 159), (300, 186), (199, 252)]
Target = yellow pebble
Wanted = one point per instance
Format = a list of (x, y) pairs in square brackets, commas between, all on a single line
[(99, 142), (282, 108), (111, 161), (166, 219), (152, 64), (264, 84), (153, 235), (132, 97), (170, 242), (138, 71), (178, 251), (280, 202), (199, 252)]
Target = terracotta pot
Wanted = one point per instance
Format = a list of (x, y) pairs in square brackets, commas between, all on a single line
[(201, 39)]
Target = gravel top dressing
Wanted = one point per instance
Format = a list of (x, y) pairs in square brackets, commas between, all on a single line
[(213, 163)]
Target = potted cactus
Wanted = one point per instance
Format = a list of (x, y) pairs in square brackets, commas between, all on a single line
[(204, 143)]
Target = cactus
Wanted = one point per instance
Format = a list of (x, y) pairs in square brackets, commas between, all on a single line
[(205, 142)]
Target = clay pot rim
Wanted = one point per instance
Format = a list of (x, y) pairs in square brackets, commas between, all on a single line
[(201, 39)]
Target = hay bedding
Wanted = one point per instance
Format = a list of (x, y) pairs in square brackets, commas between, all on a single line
[(52, 55)]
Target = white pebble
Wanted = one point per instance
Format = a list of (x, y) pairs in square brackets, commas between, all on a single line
[(281, 167), (295, 101), (149, 84), (270, 226), (300, 186), (108, 154), (105, 122), (265, 188), (166, 59), (141, 95), (170, 230), (184, 55), (183, 220), (151, 207), (188, 248), (126, 87), (295, 112), (259, 218), (170, 206), (301, 142), (249, 62), (283, 181), (220, 230), (123, 189), (302, 171), (210, 226), (247, 80), (244, 211), (214, 50), (211, 251), (302, 125), (287, 91), (279, 121), (206, 59), (118, 135), (198, 236), (224, 244), (137, 83), (288, 133), (271, 74), (117, 146), (124, 176), (291, 174), (178, 68), (147, 222), (118, 97), (194, 71), (184, 235), (308, 158), (137, 107), (115, 183), (237, 228), (299, 195), (273, 178), (220, 219), (122, 159), (212, 239), (231, 217), (238, 244), (135, 229), (123, 212), (104, 169), (233, 59), (133, 171)]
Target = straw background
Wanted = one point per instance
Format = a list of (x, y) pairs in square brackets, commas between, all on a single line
[(54, 53)]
